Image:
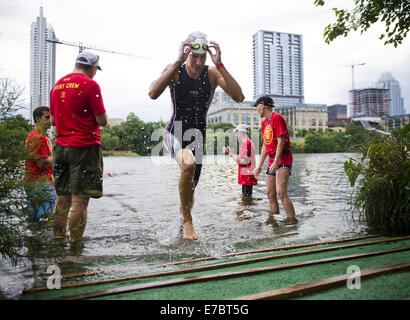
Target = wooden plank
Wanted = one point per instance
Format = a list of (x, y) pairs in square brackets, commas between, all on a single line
[(222, 265), (175, 263), (324, 284), (224, 275)]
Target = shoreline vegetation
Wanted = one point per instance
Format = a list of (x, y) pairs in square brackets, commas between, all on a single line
[(119, 154), (380, 176), (135, 138)]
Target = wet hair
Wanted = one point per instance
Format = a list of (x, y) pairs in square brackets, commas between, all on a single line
[(83, 66), (38, 112)]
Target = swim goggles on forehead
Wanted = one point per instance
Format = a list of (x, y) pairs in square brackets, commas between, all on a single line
[(196, 46)]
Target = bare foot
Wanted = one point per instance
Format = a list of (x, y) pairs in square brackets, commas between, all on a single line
[(189, 232), (291, 221)]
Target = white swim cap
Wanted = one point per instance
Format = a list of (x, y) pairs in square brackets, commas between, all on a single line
[(199, 42)]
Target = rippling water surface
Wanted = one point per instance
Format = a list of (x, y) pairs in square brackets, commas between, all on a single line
[(137, 221)]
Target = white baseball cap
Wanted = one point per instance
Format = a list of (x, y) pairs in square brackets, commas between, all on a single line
[(242, 128), (90, 58)]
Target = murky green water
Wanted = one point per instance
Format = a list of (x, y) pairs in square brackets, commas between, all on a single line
[(137, 222)]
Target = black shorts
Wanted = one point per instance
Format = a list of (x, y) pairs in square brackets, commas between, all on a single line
[(78, 170), (279, 167)]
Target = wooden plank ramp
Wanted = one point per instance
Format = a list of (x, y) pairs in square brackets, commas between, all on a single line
[(224, 256), (321, 285), (223, 265), (225, 275)]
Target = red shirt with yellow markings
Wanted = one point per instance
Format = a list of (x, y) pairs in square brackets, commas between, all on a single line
[(74, 101), (272, 129), (37, 147)]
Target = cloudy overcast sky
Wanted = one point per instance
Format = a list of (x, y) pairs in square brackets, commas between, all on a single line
[(155, 29)]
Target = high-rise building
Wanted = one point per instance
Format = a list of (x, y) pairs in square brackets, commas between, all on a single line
[(370, 102), (278, 67), (387, 81), (42, 62)]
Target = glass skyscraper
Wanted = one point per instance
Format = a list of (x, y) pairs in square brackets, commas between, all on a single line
[(42, 62), (387, 81), (278, 67)]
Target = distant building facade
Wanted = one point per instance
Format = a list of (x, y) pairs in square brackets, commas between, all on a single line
[(305, 117), (370, 102), (114, 121), (278, 67), (42, 62), (337, 111), (387, 81), (224, 110), (395, 122), (337, 117)]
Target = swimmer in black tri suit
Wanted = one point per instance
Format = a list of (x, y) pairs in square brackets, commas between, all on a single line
[(192, 85)]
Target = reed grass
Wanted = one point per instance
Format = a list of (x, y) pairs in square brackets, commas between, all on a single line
[(380, 175)]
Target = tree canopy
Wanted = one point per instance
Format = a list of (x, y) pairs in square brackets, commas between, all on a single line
[(395, 14)]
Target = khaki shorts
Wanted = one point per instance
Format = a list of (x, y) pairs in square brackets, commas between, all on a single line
[(78, 170)]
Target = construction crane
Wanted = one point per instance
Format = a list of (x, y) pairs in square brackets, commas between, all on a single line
[(354, 65), (81, 47)]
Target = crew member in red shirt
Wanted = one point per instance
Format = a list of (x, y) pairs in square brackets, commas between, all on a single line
[(276, 145), (38, 174), (246, 160), (77, 111)]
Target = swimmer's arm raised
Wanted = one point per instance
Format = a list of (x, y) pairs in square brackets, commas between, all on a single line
[(229, 84), (222, 77), (167, 77), (170, 73)]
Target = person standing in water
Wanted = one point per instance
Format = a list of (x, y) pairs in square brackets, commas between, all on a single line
[(276, 145), (192, 85), (77, 111), (246, 160), (38, 174)]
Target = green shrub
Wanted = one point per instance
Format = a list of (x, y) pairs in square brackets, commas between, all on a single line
[(381, 176)]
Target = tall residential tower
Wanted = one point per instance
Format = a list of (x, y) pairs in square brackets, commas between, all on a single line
[(42, 62), (278, 67)]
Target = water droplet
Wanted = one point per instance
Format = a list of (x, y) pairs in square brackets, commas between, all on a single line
[(97, 95)]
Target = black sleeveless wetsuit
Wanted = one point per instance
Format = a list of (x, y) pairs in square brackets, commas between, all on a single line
[(191, 99)]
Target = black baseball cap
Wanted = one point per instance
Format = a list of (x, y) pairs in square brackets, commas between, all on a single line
[(265, 100)]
